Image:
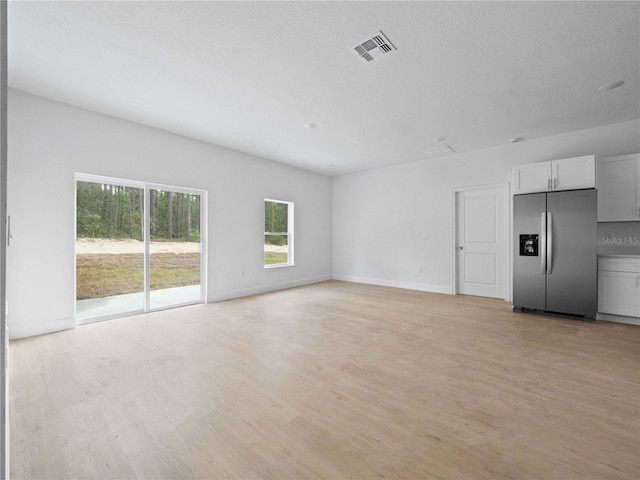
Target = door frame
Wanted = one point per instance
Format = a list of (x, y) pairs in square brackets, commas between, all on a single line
[(146, 187), (506, 192), (203, 242), (4, 239)]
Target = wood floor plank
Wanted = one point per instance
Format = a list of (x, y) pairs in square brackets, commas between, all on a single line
[(329, 381)]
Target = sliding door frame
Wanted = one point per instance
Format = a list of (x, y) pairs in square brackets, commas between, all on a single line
[(147, 243), (146, 187)]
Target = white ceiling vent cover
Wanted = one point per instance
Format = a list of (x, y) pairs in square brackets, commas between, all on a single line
[(439, 151), (374, 47)]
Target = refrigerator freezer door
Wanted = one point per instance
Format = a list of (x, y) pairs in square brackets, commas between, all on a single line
[(572, 262), (529, 279)]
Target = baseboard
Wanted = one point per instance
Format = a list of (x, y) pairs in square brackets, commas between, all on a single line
[(423, 287), (245, 292), (32, 329), (607, 317)]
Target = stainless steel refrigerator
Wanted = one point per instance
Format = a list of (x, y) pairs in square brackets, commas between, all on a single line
[(555, 267)]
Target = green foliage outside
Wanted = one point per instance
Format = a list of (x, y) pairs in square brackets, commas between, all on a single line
[(272, 258), (278, 240), (276, 225), (275, 221), (117, 212)]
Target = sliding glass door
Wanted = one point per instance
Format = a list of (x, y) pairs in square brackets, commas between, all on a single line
[(109, 249), (174, 248), (139, 247)]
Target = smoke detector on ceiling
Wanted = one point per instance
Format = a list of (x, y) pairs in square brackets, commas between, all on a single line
[(374, 47)]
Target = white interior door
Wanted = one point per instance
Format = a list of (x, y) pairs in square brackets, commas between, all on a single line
[(481, 245)]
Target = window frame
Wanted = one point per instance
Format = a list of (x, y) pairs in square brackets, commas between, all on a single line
[(289, 234)]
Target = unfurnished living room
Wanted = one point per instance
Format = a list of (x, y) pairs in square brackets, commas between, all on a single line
[(320, 240)]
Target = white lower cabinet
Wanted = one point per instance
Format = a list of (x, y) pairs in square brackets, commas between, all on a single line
[(619, 286)]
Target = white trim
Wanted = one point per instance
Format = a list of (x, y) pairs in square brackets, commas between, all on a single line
[(204, 244), (278, 265), (5, 227), (505, 186), (132, 313), (245, 292), (289, 233), (87, 177), (173, 188), (423, 287), (146, 238), (88, 321), (607, 317), (50, 326), (75, 244)]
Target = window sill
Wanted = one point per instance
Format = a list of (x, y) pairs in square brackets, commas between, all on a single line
[(279, 265)]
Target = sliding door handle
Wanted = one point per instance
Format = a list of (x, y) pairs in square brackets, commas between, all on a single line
[(542, 242), (549, 243)]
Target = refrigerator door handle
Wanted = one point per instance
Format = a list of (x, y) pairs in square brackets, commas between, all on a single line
[(543, 243), (549, 243)]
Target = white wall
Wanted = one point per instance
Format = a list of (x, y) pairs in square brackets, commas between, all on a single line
[(381, 216), (49, 141), (378, 217)]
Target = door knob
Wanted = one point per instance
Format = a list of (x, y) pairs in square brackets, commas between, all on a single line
[(459, 247)]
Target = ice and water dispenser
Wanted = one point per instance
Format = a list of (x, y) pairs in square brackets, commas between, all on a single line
[(529, 245)]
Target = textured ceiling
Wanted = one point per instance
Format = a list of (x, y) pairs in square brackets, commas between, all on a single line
[(249, 75)]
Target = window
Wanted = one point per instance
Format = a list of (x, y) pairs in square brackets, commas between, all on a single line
[(278, 233)]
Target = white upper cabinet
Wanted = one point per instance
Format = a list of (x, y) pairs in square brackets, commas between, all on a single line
[(534, 177), (574, 173), (566, 174), (619, 188)]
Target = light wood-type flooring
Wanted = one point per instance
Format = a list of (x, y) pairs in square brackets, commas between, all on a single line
[(329, 381)]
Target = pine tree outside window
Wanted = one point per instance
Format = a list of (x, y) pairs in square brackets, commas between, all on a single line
[(278, 233)]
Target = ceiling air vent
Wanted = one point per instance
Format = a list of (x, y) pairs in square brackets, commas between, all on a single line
[(374, 47), (438, 151)]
